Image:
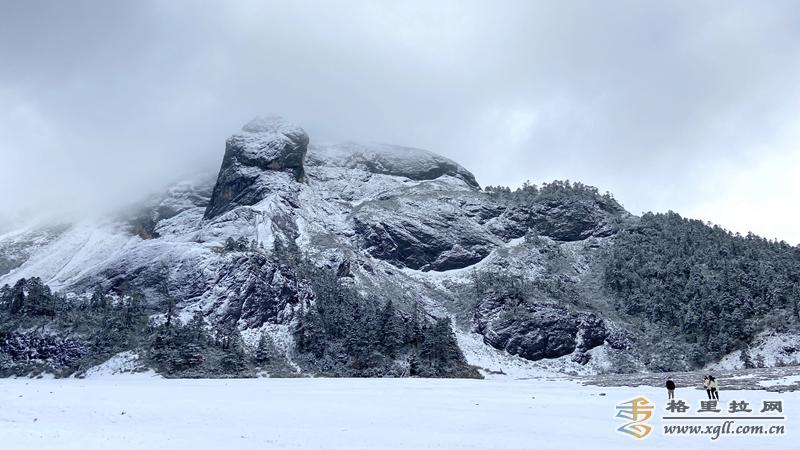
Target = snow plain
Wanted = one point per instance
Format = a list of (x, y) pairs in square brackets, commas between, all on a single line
[(145, 412)]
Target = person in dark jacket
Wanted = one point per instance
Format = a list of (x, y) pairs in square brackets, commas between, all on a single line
[(714, 385), (670, 388)]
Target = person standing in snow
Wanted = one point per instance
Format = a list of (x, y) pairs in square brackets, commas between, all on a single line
[(714, 385), (670, 388), (707, 386)]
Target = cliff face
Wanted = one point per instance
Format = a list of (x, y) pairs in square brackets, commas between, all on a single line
[(522, 275), (265, 145)]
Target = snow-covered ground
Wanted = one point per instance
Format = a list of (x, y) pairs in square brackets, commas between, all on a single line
[(784, 381), (143, 412)]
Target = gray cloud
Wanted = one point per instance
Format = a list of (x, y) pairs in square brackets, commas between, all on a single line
[(690, 106)]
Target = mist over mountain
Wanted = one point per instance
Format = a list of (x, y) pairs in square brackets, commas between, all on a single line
[(348, 224), (351, 259), (103, 102)]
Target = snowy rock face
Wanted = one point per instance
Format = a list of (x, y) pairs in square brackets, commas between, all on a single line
[(258, 292), (408, 207), (424, 232), (538, 331), (393, 222), (265, 144), (572, 219), (411, 163)]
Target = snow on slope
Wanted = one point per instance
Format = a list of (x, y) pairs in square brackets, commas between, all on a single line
[(412, 163), (18, 244), (498, 364), (80, 250), (776, 349), (121, 364)]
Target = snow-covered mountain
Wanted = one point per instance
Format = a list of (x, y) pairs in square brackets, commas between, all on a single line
[(523, 275)]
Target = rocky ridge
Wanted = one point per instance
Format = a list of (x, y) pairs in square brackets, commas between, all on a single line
[(521, 273)]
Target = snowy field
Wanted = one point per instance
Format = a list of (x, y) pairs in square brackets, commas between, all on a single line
[(142, 412)]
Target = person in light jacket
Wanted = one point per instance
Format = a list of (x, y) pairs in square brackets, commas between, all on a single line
[(707, 386)]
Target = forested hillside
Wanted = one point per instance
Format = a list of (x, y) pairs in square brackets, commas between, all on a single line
[(690, 282)]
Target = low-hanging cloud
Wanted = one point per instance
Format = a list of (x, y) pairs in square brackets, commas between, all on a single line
[(690, 106)]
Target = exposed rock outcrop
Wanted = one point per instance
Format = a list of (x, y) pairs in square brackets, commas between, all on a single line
[(258, 291), (418, 231), (265, 144), (537, 331), (563, 218)]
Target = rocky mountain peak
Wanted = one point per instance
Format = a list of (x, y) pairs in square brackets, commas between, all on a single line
[(266, 144)]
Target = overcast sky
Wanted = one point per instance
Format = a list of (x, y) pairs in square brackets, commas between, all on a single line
[(691, 106)]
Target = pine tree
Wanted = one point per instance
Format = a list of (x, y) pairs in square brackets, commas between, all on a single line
[(391, 332), (17, 301), (439, 347), (234, 360), (265, 352), (415, 329), (195, 329), (747, 361), (362, 338), (132, 309), (98, 300), (310, 333), (230, 244)]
